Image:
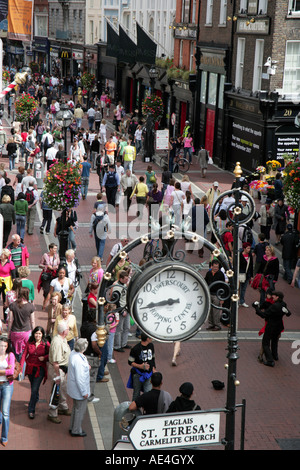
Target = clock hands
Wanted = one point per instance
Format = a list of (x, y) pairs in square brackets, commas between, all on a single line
[(162, 303)]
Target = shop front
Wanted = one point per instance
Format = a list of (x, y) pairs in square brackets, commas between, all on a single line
[(41, 50), (212, 79), (258, 129)]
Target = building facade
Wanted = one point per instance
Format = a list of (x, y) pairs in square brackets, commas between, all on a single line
[(262, 101)]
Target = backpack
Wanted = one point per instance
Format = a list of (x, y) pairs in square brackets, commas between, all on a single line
[(111, 180), (29, 196), (99, 225), (247, 235)]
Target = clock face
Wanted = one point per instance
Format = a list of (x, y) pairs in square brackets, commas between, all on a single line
[(170, 301)]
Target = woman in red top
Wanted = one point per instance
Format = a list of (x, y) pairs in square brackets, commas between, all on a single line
[(36, 357)]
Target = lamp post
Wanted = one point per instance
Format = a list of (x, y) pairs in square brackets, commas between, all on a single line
[(153, 74), (64, 117)]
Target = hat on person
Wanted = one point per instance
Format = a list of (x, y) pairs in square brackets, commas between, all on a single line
[(216, 183), (187, 122), (186, 388), (289, 226), (244, 198)]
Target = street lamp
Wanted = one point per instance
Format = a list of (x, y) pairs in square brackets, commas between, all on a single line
[(64, 117), (153, 74)]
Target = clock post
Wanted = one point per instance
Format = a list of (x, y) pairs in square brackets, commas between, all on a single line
[(232, 355)]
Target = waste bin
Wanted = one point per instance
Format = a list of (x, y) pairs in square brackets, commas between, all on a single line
[(39, 171), (123, 420)]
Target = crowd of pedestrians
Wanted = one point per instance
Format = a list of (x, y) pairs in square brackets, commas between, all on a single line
[(64, 347)]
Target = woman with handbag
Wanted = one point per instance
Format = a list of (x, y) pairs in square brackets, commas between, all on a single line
[(62, 284), (49, 265), (7, 367), (245, 272), (35, 356), (269, 268)]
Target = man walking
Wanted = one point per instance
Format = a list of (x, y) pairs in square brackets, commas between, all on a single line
[(85, 177), (111, 184), (128, 183)]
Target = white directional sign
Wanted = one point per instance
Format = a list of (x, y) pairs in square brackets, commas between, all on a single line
[(175, 430), (162, 140)]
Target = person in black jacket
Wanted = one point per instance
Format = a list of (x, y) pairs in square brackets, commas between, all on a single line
[(289, 241), (274, 326), (216, 276), (184, 401)]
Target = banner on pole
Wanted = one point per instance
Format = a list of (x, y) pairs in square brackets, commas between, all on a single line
[(20, 19)]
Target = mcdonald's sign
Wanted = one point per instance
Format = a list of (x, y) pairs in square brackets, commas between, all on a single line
[(64, 55)]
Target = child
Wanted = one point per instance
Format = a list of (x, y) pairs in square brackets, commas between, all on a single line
[(114, 317)]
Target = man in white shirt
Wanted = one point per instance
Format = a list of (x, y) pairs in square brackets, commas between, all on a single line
[(120, 171), (47, 140), (128, 183), (177, 198), (50, 155), (27, 179), (91, 117)]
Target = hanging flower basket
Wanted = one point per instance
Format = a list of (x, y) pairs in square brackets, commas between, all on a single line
[(62, 186), (26, 107), (291, 184), (153, 105), (88, 80)]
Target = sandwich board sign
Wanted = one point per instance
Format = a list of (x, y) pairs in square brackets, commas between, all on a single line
[(171, 430)]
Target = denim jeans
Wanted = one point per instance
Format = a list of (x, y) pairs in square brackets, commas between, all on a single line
[(84, 185), (78, 122), (110, 345), (35, 383), (6, 391), (11, 163), (72, 243), (243, 287), (287, 266), (103, 361), (189, 151), (100, 245)]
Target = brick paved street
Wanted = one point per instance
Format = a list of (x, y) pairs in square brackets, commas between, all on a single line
[(272, 394)]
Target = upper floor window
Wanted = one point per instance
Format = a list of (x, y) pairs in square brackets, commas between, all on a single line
[(294, 7), (209, 12), (258, 64), (254, 7), (291, 78), (223, 12)]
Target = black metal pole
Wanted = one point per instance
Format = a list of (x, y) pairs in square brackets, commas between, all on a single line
[(232, 337)]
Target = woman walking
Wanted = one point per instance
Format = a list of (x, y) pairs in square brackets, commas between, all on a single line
[(35, 356)]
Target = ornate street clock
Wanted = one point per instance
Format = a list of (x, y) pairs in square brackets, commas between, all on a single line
[(169, 301)]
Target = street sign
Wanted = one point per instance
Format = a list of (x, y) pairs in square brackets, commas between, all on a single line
[(162, 140), (173, 119), (175, 430)]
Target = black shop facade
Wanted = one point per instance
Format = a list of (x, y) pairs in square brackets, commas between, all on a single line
[(258, 129)]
